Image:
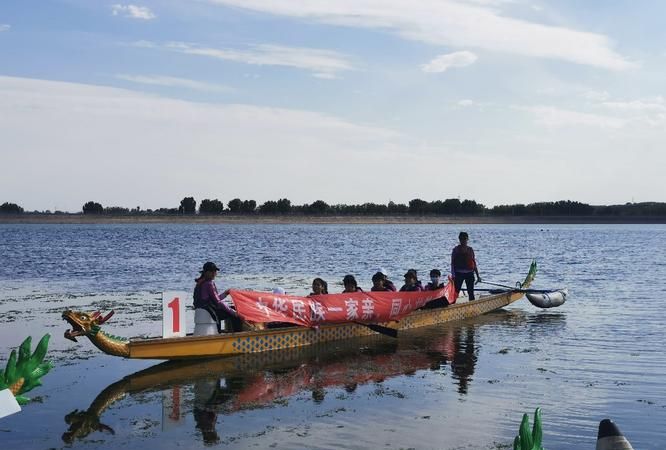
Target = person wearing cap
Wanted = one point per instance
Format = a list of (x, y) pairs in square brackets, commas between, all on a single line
[(350, 284), (463, 265), (388, 284), (378, 283), (206, 297), (412, 283)]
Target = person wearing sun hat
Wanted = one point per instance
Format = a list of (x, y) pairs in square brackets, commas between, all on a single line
[(411, 282), (206, 297)]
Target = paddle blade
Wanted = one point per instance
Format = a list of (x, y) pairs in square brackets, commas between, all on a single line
[(391, 332)]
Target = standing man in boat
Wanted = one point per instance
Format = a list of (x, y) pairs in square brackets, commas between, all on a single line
[(463, 265), (207, 297)]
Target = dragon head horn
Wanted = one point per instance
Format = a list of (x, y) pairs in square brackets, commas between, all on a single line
[(95, 315), (107, 317)]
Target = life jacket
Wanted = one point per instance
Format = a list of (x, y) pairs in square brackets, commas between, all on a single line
[(384, 289), (463, 258), (413, 288)]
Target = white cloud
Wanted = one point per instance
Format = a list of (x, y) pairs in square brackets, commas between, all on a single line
[(132, 11), (4, 27), (322, 63), (596, 96), (656, 104), (452, 23), (455, 59), (465, 102), (557, 117), (88, 137), (158, 80), (649, 110), (122, 147), (325, 75)]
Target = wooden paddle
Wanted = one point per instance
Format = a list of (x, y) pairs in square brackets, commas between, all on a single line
[(526, 291), (391, 332), (502, 285)]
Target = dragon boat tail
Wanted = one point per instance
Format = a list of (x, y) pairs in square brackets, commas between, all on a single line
[(227, 344)]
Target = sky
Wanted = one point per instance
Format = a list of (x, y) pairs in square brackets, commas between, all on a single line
[(347, 101)]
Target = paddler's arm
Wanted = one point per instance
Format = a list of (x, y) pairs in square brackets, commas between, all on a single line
[(476, 268), (453, 267), (219, 299)]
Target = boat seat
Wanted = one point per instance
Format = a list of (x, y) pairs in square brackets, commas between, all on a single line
[(205, 323)]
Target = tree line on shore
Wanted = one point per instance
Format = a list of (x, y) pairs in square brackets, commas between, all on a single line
[(415, 207)]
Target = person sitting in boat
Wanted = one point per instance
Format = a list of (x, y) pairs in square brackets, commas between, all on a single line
[(411, 282), (350, 284), (378, 283), (319, 287), (463, 265), (387, 283), (435, 276), (206, 297)]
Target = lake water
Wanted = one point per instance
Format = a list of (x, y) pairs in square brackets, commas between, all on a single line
[(460, 386)]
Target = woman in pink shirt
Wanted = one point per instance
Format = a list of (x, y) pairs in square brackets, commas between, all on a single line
[(207, 297)]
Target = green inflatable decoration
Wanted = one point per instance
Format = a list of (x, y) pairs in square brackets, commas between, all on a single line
[(526, 439), (23, 375)]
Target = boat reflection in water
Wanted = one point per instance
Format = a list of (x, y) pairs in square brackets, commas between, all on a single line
[(228, 385)]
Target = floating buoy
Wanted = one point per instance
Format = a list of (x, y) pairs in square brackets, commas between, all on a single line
[(611, 438), (548, 299)]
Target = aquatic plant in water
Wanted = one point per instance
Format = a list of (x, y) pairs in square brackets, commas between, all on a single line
[(526, 439), (24, 374)]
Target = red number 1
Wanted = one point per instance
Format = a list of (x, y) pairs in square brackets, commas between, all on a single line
[(175, 306)]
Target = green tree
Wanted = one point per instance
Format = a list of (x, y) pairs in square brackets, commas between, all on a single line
[(284, 206), (188, 206), (451, 206), (117, 210), (418, 206), (269, 207), (10, 208), (397, 208), (249, 206), (93, 208), (211, 206), (235, 205), (317, 207)]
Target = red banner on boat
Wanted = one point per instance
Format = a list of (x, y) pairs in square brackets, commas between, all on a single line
[(365, 307)]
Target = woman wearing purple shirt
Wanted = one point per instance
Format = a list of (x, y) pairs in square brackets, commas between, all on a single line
[(207, 297)]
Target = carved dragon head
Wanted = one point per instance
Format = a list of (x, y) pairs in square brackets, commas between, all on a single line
[(81, 424), (84, 324)]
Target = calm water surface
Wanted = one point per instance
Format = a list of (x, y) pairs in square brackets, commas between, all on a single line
[(465, 385)]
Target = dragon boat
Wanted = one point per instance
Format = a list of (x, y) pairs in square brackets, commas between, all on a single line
[(235, 343)]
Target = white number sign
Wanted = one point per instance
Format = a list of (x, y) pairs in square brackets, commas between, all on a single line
[(173, 314)]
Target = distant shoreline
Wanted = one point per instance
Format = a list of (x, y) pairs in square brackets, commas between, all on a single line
[(296, 219)]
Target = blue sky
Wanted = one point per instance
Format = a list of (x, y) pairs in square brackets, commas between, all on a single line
[(501, 101)]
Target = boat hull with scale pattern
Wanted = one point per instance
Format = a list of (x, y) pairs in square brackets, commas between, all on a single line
[(229, 344)]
